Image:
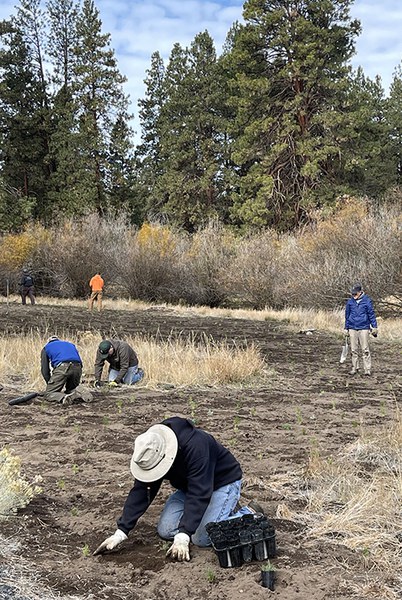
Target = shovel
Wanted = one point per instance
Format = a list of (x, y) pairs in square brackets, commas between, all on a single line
[(345, 350)]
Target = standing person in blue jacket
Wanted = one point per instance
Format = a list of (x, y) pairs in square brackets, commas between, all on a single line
[(207, 478), (360, 321), (61, 366)]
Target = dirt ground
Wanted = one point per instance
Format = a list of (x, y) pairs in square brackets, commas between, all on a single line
[(83, 451)]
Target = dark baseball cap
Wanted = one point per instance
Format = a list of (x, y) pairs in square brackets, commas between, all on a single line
[(104, 347), (356, 289)]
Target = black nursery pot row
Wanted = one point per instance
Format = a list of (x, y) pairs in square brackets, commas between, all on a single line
[(240, 540)]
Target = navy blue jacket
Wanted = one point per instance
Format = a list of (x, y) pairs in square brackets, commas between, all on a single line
[(359, 314), (202, 465), (56, 352)]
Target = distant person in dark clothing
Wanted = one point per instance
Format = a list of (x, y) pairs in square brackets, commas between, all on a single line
[(360, 321), (207, 478), (27, 287), (61, 367), (123, 363)]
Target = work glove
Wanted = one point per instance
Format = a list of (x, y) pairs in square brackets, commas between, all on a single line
[(180, 549), (346, 332), (113, 384), (97, 384), (111, 542), (374, 332)]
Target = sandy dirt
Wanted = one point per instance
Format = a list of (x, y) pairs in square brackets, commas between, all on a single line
[(82, 453)]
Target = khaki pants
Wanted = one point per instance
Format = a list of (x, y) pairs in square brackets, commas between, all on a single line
[(96, 296), (360, 337), (66, 374)]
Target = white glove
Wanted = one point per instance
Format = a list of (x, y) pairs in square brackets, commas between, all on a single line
[(180, 549), (111, 542)]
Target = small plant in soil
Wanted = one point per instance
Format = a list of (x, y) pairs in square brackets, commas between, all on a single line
[(85, 551), (119, 405), (211, 576), (75, 469), (192, 404), (287, 426), (74, 511), (299, 417), (236, 422), (268, 575), (61, 484)]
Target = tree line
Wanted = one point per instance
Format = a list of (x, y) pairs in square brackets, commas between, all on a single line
[(276, 126)]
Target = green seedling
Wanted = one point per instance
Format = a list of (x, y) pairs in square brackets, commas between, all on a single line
[(268, 566), (85, 551), (119, 404), (105, 421), (333, 404), (299, 416), (74, 511), (77, 428), (253, 411), (287, 426), (75, 469), (164, 546), (192, 404), (211, 576), (236, 422), (61, 484)]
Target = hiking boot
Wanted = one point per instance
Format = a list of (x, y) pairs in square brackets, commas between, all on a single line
[(255, 508), (353, 372), (367, 373)]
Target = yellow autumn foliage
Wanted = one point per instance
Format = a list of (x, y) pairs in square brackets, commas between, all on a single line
[(159, 238)]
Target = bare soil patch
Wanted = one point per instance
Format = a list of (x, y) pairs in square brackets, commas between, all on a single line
[(83, 452)]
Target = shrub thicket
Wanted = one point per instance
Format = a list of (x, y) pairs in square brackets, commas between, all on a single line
[(312, 267)]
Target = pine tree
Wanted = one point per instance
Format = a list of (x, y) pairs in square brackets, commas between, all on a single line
[(291, 63), (22, 149), (393, 116), (99, 98)]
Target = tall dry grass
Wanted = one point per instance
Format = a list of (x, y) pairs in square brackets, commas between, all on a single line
[(180, 362), (354, 500)]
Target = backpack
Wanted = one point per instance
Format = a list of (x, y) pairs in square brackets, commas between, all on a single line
[(28, 281)]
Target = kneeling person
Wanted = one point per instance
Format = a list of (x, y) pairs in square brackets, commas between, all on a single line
[(61, 366), (123, 363), (207, 478)]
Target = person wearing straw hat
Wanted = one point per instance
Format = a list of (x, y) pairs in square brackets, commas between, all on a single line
[(206, 477)]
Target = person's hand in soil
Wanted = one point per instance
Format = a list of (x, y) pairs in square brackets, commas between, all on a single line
[(180, 549), (111, 542)]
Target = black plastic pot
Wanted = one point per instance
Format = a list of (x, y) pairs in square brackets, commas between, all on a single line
[(268, 579)]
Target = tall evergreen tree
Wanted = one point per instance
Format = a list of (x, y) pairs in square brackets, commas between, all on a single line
[(99, 99), (366, 165), (393, 115), (148, 152), (189, 191), (291, 62), (22, 151)]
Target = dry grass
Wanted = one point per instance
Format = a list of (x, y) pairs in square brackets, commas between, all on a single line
[(355, 500), (298, 318), (178, 362)]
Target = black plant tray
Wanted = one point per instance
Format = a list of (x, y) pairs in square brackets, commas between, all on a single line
[(241, 540)]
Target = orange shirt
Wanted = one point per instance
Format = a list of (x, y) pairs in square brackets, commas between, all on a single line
[(96, 284)]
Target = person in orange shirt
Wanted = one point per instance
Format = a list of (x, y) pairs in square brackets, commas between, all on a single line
[(96, 284)]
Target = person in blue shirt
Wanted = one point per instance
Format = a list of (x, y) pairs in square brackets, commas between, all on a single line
[(61, 367), (360, 321), (206, 477)]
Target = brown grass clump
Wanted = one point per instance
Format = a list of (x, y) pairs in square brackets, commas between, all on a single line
[(355, 499), (178, 362)]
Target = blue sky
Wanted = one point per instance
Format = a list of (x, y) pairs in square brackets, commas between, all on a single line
[(139, 27)]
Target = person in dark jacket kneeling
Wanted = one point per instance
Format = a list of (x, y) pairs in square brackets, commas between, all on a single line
[(360, 321), (61, 366), (207, 478), (123, 363)]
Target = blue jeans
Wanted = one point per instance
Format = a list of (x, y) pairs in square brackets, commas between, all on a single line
[(221, 506), (128, 377)]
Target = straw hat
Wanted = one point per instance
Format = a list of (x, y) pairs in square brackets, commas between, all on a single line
[(154, 453)]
